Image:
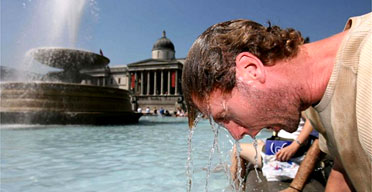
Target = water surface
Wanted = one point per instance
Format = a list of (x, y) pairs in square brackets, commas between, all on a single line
[(149, 156)]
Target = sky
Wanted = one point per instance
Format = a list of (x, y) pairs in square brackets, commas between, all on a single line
[(126, 30)]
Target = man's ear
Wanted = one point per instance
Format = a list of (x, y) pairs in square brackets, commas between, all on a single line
[(249, 67)]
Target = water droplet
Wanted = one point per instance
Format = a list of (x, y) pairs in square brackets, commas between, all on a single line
[(256, 160), (189, 163)]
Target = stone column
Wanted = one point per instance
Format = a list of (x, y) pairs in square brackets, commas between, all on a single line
[(162, 83), (176, 84), (135, 82), (155, 82), (169, 81), (142, 83), (129, 81), (148, 83)]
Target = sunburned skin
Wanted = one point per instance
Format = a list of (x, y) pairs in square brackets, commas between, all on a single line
[(246, 110)]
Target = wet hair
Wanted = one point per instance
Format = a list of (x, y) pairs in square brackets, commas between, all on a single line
[(210, 63)]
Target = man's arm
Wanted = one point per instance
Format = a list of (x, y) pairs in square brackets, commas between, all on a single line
[(337, 180), (306, 167)]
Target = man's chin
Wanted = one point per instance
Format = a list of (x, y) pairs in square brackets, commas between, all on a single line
[(291, 129), (276, 129)]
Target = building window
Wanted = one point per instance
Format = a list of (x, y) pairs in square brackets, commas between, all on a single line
[(118, 80), (111, 81)]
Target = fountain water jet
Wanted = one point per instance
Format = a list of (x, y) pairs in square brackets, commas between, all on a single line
[(189, 163), (60, 98)]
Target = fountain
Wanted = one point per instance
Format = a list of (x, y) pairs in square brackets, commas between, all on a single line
[(59, 97), (70, 60)]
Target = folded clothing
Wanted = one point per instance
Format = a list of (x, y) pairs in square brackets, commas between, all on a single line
[(275, 170)]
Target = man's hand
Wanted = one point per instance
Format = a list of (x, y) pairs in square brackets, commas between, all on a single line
[(287, 152), (288, 190)]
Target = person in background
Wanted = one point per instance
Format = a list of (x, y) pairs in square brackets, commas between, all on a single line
[(147, 110), (161, 111), (180, 112), (247, 76), (280, 144)]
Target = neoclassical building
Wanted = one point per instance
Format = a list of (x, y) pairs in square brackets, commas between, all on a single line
[(153, 82)]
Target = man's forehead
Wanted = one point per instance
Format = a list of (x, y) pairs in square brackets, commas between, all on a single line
[(204, 104)]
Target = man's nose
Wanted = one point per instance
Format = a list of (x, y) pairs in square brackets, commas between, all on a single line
[(238, 132), (253, 132), (237, 135)]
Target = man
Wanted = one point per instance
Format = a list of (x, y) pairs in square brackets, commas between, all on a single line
[(247, 76)]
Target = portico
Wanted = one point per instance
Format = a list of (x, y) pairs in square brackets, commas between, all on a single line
[(156, 82)]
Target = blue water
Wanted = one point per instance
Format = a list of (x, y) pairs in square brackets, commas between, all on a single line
[(149, 156)]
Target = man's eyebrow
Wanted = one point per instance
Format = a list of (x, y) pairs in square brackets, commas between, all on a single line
[(220, 116)]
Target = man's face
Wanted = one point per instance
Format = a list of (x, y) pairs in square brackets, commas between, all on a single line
[(244, 112)]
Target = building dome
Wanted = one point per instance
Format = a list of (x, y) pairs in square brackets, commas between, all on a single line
[(163, 43), (163, 49)]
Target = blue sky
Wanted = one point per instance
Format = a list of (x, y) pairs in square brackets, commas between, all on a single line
[(126, 30)]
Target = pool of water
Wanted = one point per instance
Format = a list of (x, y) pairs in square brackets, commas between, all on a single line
[(149, 156)]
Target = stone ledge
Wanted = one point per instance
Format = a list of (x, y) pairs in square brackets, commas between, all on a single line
[(314, 184)]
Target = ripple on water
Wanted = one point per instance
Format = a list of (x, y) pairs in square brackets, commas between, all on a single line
[(149, 156)]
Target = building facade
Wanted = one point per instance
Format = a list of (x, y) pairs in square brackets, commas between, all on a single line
[(153, 82)]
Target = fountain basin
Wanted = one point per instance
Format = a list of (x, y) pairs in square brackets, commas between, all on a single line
[(64, 103), (65, 58)]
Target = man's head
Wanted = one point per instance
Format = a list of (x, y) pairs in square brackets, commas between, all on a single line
[(218, 68)]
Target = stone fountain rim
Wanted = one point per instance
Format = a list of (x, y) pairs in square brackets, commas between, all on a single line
[(34, 53)]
